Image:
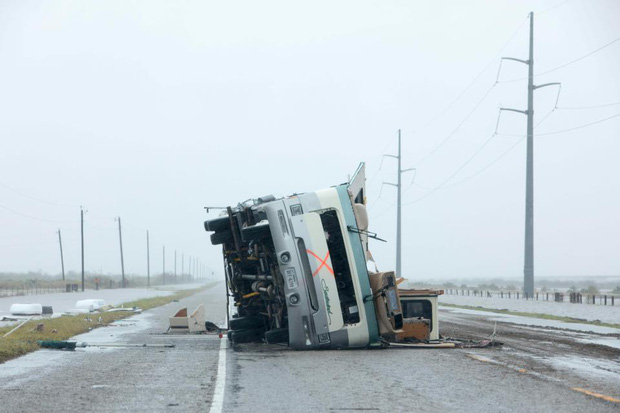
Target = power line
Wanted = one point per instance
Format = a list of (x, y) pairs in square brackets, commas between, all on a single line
[(578, 59), (488, 165), (448, 107), (565, 64), (517, 143), (442, 186), (589, 107), (551, 8), (500, 156), (570, 129), (433, 189), (471, 158), (469, 86), (27, 244), (36, 199), (451, 134), (31, 217), (447, 180)]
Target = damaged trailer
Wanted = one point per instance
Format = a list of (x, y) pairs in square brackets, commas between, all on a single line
[(296, 273)]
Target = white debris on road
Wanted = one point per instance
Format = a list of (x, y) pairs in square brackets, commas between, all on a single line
[(66, 302)]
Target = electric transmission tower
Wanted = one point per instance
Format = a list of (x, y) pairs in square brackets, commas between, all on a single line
[(398, 186), (528, 267)]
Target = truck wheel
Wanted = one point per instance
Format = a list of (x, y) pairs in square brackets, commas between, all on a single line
[(248, 322), (247, 336), (221, 237), (255, 232), (217, 224), (279, 335)]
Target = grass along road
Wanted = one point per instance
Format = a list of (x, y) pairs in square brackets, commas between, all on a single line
[(25, 339)]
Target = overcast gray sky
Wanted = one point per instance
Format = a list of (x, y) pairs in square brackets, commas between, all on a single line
[(150, 110)]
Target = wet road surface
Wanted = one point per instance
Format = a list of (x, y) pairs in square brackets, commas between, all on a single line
[(200, 374)]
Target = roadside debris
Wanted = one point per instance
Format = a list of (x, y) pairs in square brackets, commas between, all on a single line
[(98, 306), (26, 309), (72, 345), (211, 327), (297, 272), (90, 304), (18, 326), (111, 309), (195, 323)]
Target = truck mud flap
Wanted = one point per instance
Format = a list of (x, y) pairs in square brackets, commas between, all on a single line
[(247, 336), (247, 323), (275, 336)]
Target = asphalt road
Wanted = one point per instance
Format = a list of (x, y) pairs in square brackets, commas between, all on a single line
[(200, 374)]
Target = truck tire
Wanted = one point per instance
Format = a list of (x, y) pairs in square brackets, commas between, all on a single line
[(278, 335), (248, 322), (221, 237), (255, 232), (247, 336), (217, 224)]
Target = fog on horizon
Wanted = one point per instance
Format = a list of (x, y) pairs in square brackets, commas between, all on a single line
[(152, 110)]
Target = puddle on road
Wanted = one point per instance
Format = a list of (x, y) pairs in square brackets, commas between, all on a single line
[(537, 322), (590, 367), (603, 341)]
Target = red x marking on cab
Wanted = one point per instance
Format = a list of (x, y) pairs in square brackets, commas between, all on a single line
[(323, 263)]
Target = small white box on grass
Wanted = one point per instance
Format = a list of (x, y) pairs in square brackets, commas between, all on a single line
[(90, 304)]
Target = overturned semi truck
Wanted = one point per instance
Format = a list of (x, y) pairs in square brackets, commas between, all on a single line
[(296, 273)]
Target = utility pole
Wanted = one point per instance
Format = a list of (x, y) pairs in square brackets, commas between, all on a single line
[(82, 237), (120, 239), (175, 266), (148, 261), (398, 186), (163, 273), (528, 265), (62, 259)]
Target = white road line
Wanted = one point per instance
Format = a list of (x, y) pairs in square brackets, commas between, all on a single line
[(217, 403)]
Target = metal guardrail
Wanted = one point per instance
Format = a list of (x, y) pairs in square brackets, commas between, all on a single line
[(572, 297), (32, 289), (29, 290)]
